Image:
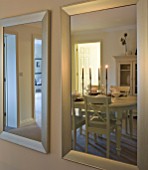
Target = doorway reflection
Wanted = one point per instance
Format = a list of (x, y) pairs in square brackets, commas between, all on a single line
[(23, 80), (38, 79)]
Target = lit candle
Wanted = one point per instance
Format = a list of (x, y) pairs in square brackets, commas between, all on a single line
[(106, 68), (82, 73)]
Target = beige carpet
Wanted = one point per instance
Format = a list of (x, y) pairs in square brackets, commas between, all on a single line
[(30, 131)]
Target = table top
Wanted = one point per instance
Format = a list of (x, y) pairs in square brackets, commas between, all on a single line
[(115, 102), (124, 101)]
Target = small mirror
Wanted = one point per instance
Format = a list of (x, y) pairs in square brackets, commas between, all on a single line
[(25, 73)]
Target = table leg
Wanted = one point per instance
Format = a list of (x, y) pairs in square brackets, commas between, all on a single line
[(74, 129), (131, 123), (118, 132)]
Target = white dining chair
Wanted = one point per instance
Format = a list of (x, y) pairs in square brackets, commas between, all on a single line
[(100, 122), (125, 91), (95, 88)]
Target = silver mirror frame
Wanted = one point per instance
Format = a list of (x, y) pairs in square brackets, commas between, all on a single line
[(67, 152), (45, 17)]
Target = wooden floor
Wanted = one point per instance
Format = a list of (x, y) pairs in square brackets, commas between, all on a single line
[(128, 145)]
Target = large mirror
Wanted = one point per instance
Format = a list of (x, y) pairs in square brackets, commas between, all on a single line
[(83, 77), (25, 60), (102, 65)]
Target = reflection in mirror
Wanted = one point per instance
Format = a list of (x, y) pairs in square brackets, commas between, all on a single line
[(104, 83), (26, 96), (22, 81), (37, 44)]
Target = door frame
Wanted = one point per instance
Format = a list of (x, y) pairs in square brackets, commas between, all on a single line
[(34, 36)]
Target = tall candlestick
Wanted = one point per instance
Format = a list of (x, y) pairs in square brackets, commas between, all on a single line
[(82, 73), (89, 73), (98, 73), (106, 68), (90, 77), (98, 78), (83, 81)]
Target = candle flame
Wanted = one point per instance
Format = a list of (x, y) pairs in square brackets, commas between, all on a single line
[(106, 66)]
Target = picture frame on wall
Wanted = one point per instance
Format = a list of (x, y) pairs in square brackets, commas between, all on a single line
[(38, 66)]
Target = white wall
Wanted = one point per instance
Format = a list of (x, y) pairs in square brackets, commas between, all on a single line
[(110, 46), (14, 157)]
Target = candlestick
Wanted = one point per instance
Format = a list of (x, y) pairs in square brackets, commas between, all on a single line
[(106, 68), (83, 81), (98, 78), (90, 77), (98, 74), (82, 73), (82, 87), (89, 73)]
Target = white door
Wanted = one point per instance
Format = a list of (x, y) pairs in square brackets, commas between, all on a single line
[(10, 85), (88, 57)]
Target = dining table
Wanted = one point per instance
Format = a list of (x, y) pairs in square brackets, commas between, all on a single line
[(118, 105)]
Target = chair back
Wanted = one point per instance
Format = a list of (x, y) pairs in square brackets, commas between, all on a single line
[(97, 105), (95, 88), (124, 90)]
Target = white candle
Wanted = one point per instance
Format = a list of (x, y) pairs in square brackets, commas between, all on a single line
[(106, 68)]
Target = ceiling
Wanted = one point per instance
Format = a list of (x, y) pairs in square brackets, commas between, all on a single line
[(105, 19)]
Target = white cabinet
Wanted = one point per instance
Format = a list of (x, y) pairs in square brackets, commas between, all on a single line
[(126, 72)]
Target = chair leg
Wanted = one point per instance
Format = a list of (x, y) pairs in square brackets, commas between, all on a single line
[(80, 113), (74, 139), (107, 145), (95, 137), (80, 130), (86, 141), (131, 123), (126, 123)]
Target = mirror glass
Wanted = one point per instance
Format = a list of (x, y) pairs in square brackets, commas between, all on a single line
[(25, 59), (79, 86), (23, 75), (104, 65)]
